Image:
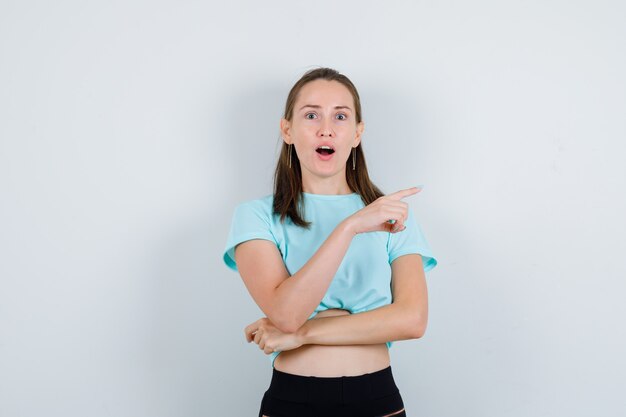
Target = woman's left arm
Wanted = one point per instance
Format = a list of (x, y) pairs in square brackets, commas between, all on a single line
[(406, 318)]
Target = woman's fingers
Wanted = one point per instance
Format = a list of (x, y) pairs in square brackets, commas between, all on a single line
[(395, 227), (250, 330), (257, 336), (399, 217), (398, 226), (404, 193), (388, 213)]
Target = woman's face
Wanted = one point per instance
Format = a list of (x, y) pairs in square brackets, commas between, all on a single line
[(323, 114)]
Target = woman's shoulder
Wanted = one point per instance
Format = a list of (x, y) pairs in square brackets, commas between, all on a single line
[(260, 205)]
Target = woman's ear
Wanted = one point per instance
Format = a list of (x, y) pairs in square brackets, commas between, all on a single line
[(285, 130), (360, 127)]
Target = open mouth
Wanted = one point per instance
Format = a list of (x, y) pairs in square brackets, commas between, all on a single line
[(325, 150)]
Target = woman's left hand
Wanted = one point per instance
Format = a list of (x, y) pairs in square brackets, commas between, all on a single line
[(270, 338)]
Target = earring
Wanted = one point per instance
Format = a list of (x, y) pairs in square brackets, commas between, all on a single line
[(289, 154), (353, 159)]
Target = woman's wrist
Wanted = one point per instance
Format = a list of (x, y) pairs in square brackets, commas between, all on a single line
[(347, 226)]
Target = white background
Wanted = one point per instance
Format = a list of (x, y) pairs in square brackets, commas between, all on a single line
[(129, 130)]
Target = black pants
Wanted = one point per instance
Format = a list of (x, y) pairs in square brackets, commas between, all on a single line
[(369, 395)]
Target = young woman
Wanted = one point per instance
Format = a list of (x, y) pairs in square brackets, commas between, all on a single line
[(336, 265)]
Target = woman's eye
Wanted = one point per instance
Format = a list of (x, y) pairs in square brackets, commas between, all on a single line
[(309, 114), (341, 116)]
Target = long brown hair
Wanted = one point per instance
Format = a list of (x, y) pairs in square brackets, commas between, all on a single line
[(288, 181)]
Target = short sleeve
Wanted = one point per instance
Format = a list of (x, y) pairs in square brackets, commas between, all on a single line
[(250, 221), (411, 240)]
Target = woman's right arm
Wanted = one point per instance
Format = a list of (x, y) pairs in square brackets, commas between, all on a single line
[(289, 301)]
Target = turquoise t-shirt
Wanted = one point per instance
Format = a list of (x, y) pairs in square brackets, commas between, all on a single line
[(363, 279)]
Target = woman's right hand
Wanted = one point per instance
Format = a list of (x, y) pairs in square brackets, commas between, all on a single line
[(375, 216)]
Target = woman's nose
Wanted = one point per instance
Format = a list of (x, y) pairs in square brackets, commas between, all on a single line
[(325, 129)]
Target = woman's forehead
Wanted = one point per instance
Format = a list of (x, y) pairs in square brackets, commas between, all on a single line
[(324, 93)]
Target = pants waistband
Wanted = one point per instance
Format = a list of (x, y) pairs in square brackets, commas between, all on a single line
[(344, 389)]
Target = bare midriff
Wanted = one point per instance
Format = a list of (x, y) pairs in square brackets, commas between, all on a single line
[(332, 361)]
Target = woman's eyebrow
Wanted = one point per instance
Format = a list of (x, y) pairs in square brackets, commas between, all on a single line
[(319, 107)]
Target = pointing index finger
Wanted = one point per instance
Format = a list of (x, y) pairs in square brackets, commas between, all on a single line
[(404, 193)]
